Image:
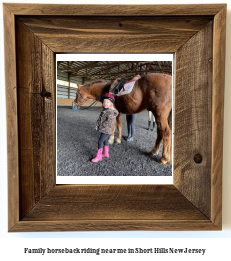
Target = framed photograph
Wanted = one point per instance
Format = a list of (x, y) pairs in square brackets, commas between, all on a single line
[(80, 76), (34, 34)]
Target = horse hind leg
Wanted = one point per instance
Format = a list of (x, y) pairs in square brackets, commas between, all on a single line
[(163, 134), (156, 148), (166, 136)]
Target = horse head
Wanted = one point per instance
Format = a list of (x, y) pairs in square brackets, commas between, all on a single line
[(81, 96), (92, 90)]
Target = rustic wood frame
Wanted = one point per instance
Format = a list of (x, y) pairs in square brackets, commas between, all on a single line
[(33, 34)]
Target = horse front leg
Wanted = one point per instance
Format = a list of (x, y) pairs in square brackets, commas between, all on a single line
[(112, 136), (119, 120)]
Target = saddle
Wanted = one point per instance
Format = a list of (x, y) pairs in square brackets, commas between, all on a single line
[(120, 86)]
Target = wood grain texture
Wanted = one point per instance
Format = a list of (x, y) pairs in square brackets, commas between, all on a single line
[(114, 10), (108, 202), (36, 99), (108, 207), (114, 225), (218, 114), (194, 201), (115, 34), (193, 128), (12, 114)]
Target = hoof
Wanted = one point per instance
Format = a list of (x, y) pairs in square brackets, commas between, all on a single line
[(163, 160), (111, 140), (118, 141), (153, 152)]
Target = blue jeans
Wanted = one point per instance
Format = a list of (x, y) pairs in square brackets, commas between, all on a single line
[(131, 119)]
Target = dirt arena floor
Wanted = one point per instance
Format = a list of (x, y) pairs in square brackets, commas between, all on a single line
[(77, 145)]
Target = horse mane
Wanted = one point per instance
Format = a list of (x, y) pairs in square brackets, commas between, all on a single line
[(97, 81)]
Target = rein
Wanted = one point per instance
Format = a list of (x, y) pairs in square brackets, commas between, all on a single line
[(98, 99)]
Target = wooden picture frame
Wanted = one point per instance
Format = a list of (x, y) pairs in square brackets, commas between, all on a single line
[(33, 34)]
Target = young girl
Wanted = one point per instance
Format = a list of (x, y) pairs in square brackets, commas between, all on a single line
[(104, 125)]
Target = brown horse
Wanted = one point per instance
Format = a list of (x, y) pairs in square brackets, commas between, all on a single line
[(152, 92)]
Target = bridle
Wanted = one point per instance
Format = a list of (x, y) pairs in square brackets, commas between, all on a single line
[(79, 92)]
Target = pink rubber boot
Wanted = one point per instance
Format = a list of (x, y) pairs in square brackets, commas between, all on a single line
[(105, 152), (98, 156)]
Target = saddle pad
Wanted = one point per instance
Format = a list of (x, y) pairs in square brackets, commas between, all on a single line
[(127, 88)]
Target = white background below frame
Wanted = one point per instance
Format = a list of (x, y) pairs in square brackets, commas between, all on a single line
[(118, 179)]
